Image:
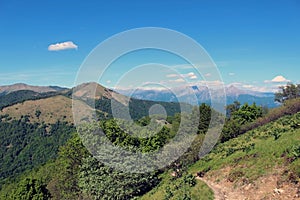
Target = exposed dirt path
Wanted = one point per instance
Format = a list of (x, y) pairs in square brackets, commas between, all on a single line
[(219, 194), (264, 188)]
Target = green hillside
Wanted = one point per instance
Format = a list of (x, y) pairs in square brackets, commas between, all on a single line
[(260, 161), (256, 157), (269, 152)]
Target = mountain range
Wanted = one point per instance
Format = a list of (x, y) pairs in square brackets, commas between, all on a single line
[(184, 94), (203, 95), (6, 89)]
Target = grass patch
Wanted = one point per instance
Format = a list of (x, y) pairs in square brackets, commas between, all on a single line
[(257, 152), (179, 188)]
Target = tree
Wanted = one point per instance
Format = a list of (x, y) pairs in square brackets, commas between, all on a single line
[(290, 91), (31, 189), (64, 185), (239, 116), (204, 119), (38, 113), (231, 108), (99, 181), (247, 113)]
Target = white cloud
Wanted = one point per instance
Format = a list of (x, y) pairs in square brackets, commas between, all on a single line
[(62, 46), (216, 83), (247, 86), (172, 75), (207, 75), (277, 79), (255, 87), (183, 66), (231, 74), (108, 81), (190, 75), (179, 80)]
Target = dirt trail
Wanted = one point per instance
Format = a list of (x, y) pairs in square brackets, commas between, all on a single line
[(221, 192), (218, 193), (265, 188)]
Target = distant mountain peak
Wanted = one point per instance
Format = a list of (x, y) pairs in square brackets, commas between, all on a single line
[(22, 86), (93, 90)]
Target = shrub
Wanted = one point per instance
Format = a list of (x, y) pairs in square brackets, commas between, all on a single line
[(190, 180)]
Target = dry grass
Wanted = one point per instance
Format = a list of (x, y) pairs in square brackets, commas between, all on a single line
[(52, 109)]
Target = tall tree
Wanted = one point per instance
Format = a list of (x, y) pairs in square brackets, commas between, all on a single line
[(290, 91), (205, 117), (231, 108)]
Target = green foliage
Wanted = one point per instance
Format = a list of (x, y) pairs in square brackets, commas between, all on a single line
[(24, 146), (239, 116), (256, 153), (31, 189), (246, 113), (38, 113), (296, 151), (186, 187), (102, 182), (205, 117), (168, 193), (64, 183), (289, 107), (190, 180), (276, 134), (117, 135), (290, 91), (137, 108), (230, 130), (231, 108)]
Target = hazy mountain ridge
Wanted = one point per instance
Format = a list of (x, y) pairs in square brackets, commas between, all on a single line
[(203, 95), (6, 89), (86, 98), (195, 94)]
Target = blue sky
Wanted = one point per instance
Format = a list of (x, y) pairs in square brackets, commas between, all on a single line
[(252, 42)]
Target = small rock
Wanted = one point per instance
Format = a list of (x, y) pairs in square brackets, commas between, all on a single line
[(248, 187), (278, 191)]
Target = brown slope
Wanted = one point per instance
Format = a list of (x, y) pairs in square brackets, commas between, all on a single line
[(52, 109), (93, 90), (21, 86)]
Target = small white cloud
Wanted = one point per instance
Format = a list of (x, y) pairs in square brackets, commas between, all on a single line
[(179, 80), (191, 74), (108, 81), (172, 75), (183, 66), (208, 75), (215, 83), (231, 74), (248, 86), (277, 79), (62, 46), (193, 77)]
